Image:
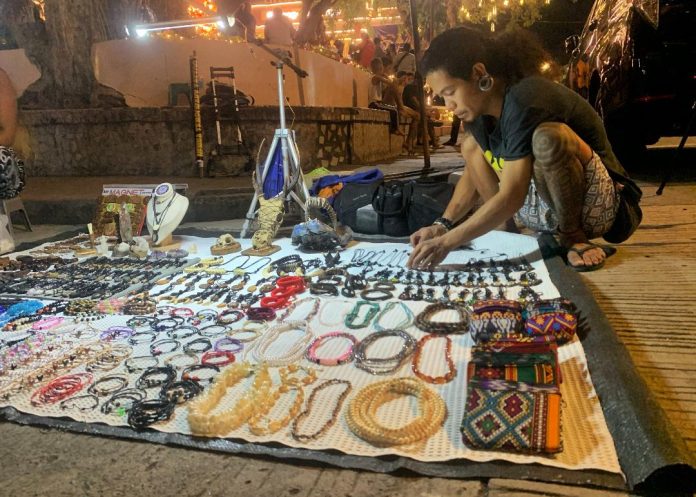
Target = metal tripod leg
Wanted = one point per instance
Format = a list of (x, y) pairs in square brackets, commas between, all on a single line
[(298, 193), (251, 213)]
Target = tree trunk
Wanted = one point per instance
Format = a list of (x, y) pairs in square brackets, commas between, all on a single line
[(453, 12), (311, 30)]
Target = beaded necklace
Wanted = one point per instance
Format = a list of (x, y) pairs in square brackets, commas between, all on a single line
[(405, 322), (352, 316), (295, 429), (451, 369)]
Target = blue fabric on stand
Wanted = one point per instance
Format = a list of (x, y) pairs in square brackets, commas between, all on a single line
[(274, 182), (369, 176)]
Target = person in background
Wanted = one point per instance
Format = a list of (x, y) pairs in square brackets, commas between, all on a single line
[(454, 132), (535, 150), (379, 85), (245, 20), (367, 50), (411, 100), (405, 61), (395, 97), (11, 166), (338, 46), (379, 51), (279, 30)]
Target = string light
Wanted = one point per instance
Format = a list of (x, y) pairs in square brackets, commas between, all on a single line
[(480, 11)]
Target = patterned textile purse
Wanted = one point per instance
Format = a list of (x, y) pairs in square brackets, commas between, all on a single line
[(513, 420), (532, 374), (11, 173), (521, 362), (493, 320), (557, 317)]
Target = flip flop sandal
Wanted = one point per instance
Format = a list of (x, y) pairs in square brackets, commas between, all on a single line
[(586, 268)]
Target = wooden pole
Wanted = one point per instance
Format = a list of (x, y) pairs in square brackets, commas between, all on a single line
[(419, 83), (197, 122)]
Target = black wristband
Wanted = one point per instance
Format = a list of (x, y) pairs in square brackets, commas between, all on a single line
[(444, 222)]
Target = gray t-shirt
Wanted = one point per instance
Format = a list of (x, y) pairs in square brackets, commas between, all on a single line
[(527, 104)]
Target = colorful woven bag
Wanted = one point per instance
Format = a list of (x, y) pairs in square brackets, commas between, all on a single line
[(495, 320), (533, 374), (512, 420), (560, 324)]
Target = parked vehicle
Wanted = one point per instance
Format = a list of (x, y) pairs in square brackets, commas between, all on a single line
[(635, 62)]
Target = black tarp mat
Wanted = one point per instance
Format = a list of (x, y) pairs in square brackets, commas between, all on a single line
[(652, 454)]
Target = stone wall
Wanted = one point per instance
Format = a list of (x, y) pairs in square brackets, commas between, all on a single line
[(159, 141)]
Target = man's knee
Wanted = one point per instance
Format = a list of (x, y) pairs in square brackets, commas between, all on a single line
[(551, 142)]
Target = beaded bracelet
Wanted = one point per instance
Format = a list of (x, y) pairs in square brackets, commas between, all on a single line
[(141, 321), (345, 357), (109, 359), (213, 330), (155, 346), (212, 370), (217, 358), (221, 345), (147, 412), (323, 289), (376, 294), (116, 333), (119, 401), (73, 403), (383, 365), (179, 392), (146, 379), (60, 388), (167, 323), (181, 332), (424, 320), (100, 388), (256, 332), (175, 361), (132, 367), (142, 337), (230, 316), (198, 346), (261, 314), (47, 323), (451, 369)]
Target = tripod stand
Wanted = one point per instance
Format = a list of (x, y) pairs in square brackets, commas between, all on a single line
[(293, 187)]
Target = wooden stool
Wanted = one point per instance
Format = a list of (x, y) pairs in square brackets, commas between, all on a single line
[(11, 205)]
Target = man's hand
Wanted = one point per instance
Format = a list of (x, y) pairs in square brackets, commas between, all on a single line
[(427, 233), (429, 253)]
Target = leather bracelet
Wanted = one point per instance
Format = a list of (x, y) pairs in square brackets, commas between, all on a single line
[(445, 223)]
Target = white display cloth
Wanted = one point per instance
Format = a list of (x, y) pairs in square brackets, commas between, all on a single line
[(587, 443)]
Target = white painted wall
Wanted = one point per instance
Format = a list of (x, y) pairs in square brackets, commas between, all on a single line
[(143, 68), (21, 71)]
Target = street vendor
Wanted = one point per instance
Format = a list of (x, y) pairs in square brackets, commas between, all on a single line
[(534, 149)]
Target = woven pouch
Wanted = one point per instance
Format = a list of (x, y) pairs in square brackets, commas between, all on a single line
[(512, 420), (493, 320)]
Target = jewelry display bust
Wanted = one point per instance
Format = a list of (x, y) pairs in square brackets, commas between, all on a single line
[(165, 210)]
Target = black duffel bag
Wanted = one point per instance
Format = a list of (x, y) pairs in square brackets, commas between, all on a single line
[(427, 201), (393, 208), (353, 206)]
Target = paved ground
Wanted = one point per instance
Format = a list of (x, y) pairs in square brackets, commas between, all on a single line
[(655, 265)]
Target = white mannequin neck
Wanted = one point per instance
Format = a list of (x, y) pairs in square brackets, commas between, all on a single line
[(165, 211)]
